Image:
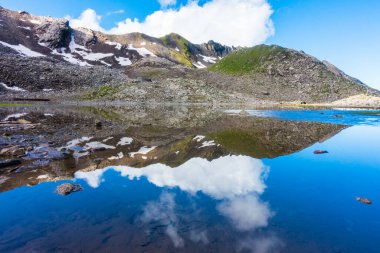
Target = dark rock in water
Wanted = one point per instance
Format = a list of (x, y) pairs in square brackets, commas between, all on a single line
[(67, 188), (99, 125), (243, 113), (320, 152), (7, 163), (364, 200), (338, 116)]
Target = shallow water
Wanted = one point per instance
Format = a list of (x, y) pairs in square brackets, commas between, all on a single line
[(203, 181)]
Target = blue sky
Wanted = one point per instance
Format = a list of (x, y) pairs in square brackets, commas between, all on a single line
[(344, 32)]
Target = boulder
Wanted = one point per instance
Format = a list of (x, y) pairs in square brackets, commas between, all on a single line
[(364, 200), (320, 152), (67, 188), (13, 151), (243, 113)]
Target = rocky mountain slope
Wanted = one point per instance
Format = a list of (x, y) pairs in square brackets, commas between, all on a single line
[(45, 57), (282, 73), (44, 36)]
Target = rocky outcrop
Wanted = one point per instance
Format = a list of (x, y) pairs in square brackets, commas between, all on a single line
[(84, 36), (56, 34), (215, 49)]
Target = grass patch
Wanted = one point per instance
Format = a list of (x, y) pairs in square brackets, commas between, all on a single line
[(183, 45), (102, 92), (106, 114), (247, 60)]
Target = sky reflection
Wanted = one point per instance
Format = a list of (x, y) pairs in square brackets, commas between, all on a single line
[(235, 181)]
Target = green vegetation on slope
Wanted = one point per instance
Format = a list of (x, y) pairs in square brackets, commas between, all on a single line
[(175, 40), (243, 142), (247, 60), (102, 92)]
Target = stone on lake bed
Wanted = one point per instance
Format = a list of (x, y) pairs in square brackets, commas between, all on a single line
[(364, 200), (7, 163), (23, 121), (67, 188), (243, 113), (320, 152), (13, 151)]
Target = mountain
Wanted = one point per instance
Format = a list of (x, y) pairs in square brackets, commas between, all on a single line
[(45, 36), (45, 57), (281, 73)]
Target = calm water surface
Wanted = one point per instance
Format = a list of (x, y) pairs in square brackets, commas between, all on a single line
[(204, 182)]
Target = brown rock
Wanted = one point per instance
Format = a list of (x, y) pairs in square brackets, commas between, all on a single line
[(67, 188), (23, 121), (320, 152), (364, 200), (13, 151)]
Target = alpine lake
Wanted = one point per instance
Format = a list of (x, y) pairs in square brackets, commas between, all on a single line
[(189, 179)]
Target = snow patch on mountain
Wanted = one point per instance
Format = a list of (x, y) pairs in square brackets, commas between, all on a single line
[(141, 51), (23, 50), (118, 46), (199, 65), (208, 59), (123, 61), (13, 88), (25, 27)]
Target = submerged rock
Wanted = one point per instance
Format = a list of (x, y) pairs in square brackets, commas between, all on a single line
[(243, 113), (67, 188), (23, 122), (320, 152), (11, 162), (13, 151), (364, 200)]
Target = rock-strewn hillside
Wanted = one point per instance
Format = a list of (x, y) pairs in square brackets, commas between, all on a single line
[(285, 74)]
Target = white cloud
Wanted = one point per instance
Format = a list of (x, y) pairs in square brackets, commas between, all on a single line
[(167, 3), (163, 212), (269, 244), (237, 181), (225, 177), (88, 19), (230, 22), (246, 212)]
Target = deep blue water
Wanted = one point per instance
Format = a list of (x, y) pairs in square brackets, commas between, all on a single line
[(336, 116), (300, 202)]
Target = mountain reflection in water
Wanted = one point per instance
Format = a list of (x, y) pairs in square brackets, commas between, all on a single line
[(188, 180)]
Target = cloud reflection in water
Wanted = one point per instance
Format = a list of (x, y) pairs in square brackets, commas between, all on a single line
[(237, 181)]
